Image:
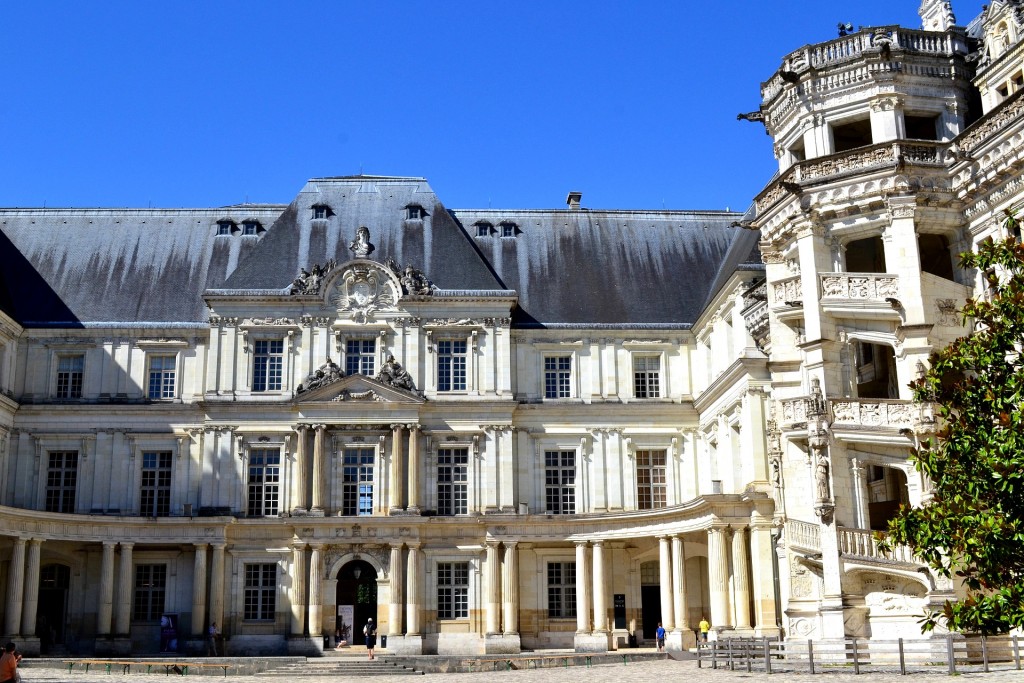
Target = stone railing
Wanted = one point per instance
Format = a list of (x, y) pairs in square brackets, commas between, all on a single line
[(864, 543), (789, 289), (794, 410), (804, 535), (985, 128), (873, 412), (860, 286)]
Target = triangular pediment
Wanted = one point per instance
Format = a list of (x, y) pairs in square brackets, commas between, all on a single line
[(357, 389)]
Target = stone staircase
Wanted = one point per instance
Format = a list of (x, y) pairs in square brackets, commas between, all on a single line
[(338, 667)]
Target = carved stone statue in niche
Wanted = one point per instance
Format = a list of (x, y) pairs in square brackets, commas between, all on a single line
[(816, 403), (822, 491), (394, 375), (361, 245), (328, 373)]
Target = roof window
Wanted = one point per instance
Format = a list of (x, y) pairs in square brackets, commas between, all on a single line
[(414, 212), (508, 229), (251, 227), (226, 227), (321, 212), (484, 229)]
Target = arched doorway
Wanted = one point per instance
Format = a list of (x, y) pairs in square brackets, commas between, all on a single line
[(887, 491), (54, 581), (357, 589)]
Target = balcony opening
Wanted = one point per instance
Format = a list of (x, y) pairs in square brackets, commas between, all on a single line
[(876, 371), (798, 151), (850, 135), (887, 490), (921, 127), (935, 255), (865, 256)]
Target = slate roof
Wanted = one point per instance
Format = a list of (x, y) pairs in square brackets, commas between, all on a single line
[(570, 267)]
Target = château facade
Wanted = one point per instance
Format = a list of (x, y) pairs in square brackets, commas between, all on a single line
[(493, 430)]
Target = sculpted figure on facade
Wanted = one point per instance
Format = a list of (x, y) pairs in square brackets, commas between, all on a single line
[(310, 281), (394, 375), (328, 373), (361, 246), (414, 281)]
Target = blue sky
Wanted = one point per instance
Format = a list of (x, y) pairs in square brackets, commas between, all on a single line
[(509, 105)]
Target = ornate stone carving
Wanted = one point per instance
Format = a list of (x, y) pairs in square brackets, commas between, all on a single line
[(328, 373), (310, 281), (268, 321), (362, 290), (394, 375), (361, 246), (414, 282), (947, 312), (859, 286), (368, 395)]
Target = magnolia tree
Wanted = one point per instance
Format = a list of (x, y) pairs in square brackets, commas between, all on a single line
[(972, 530)]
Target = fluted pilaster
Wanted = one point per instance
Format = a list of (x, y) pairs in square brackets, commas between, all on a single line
[(15, 588), (105, 613), (665, 567), (493, 588), (316, 590), (125, 584), (199, 589), (600, 589), (510, 590)]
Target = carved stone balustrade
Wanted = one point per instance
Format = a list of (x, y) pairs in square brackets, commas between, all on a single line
[(884, 413), (803, 535), (789, 290), (755, 315), (863, 543), (878, 286), (794, 410)]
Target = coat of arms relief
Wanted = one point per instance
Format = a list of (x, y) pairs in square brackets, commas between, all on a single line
[(361, 290)]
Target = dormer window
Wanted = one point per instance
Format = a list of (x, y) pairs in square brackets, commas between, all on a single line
[(508, 229), (250, 227), (484, 229), (225, 227), (414, 212), (321, 212)]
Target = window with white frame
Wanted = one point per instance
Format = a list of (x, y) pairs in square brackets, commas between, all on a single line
[(561, 590), (321, 212), (452, 590), (267, 364), (646, 376), (250, 227), (156, 484), (414, 212), (451, 364), (260, 598), (161, 377), (560, 482), (484, 229), (150, 592), (61, 481), (360, 357), (357, 481), (452, 481), (650, 479), (557, 376), (70, 370), (264, 482), (225, 227)]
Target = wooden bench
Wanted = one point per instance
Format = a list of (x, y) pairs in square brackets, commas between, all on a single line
[(180, 668)]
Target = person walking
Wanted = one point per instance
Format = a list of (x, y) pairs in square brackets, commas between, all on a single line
[(9, 664), (704, 628), (370, 631), (660, 637), (212, 635)]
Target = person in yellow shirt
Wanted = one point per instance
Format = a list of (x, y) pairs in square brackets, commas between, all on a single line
[(704, 628)]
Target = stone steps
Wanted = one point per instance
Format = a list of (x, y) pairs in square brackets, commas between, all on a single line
[(339, 667)]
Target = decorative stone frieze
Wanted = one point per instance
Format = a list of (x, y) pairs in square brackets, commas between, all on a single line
[(878, 286), (893, 414)]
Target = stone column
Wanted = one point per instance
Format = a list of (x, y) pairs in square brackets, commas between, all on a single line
[(199, 590), (31, 603), (679, 584), (106, 606), (319, 471), (860, 517), (492, 603), (600, 590), (15, 588), (397, 579), (413, 499), (510, 590), (763, 577), (298, 597), (125, 584), (718, 578), (217, 587), (665, 567), (582, 589), (299, 503), (316, 590), (414, 577), (395, 480), (740, 578)]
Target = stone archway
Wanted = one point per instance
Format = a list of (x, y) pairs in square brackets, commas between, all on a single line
[(356, 594)]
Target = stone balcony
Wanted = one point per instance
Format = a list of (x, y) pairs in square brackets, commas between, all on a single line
[(857, 545), (882, 415), (854, 295)]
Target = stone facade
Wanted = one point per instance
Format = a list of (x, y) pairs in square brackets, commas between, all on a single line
[(496, 430)]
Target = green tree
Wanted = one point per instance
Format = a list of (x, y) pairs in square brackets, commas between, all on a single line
[(973, 528)]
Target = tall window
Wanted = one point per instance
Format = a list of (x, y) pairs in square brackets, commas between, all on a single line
[(557, 372), (650, 479), (161, 377), (357, 481), (451, 365), (61, 481), (646, 372), (561, 590), (452, 478), (156, 484), (264, 481), (260, 592), (69, 376), (560, 482), (359, 356), (452, 590), (267, 364), (150, 591)]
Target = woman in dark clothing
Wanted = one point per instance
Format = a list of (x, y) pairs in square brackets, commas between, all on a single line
[(370, 631)]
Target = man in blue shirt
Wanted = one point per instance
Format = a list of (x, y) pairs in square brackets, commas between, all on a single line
[(660, 635)]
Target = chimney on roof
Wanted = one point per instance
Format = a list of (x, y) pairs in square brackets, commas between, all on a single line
[(573, 200)]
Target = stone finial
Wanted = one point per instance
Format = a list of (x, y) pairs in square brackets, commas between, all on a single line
[(936, 15)]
